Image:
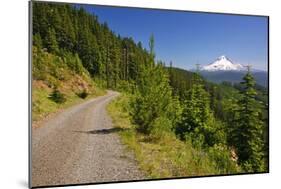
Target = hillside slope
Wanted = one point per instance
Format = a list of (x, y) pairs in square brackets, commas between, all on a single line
[(58, 82)]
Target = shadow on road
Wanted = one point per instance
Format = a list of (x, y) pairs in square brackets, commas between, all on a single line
[(103, 131)]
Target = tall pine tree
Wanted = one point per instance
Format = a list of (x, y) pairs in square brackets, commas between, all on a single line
[(51, 41), (247, 128), (197, 120), (154, 109)]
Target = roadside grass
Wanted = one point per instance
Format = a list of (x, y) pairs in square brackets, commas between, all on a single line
[(167, 157), (42, 105)]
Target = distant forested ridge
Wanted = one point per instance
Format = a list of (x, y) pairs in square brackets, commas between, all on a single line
[(227, 122), (235, 76)]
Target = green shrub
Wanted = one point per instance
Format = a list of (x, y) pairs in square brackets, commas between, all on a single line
[(51, 81), (57, 96), (83, 94), (153, 100), (74, 62), (160, 127), (161, 154), (220, 154), (125, 86)]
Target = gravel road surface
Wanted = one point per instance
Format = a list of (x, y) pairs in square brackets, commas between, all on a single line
[(80, 145)]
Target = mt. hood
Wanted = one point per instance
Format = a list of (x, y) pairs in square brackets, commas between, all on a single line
[(222, 63)]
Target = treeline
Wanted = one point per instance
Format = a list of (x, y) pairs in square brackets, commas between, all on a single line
[(60, 29), (232, 115), (164, 100)]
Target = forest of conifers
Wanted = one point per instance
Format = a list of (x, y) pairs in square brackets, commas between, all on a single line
[(228, 121)]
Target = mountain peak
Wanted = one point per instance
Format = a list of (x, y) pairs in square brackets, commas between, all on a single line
[(222, 57), (222, 63)]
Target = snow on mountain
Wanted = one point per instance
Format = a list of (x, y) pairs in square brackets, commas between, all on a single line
[(222, 63)]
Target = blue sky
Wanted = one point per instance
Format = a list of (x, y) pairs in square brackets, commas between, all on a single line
[(186, 38)]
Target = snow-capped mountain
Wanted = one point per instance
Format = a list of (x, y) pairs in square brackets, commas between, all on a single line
[(222, 63), (223, 69)]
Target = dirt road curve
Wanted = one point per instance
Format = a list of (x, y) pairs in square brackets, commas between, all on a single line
[(80, 146)]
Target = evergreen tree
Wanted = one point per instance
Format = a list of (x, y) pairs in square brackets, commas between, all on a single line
[(247, 128), (153, 101), (154, 109), (37, 41), (51, 42), (198, 122), (151, 47)]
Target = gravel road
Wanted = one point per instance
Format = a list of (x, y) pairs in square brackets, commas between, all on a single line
[(80, 145)]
